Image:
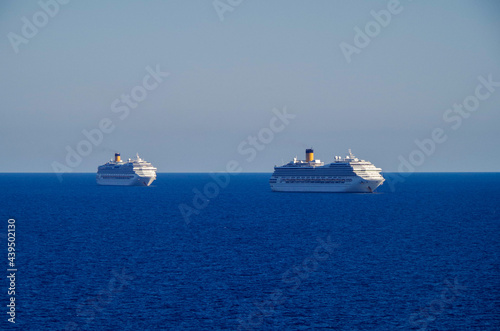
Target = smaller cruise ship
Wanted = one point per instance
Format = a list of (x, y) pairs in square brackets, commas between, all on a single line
[(134, 172)]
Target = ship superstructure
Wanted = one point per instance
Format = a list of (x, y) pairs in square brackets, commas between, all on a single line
[(132, 172), (345, 174)]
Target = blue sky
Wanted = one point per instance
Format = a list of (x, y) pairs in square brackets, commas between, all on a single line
[(226, 76)]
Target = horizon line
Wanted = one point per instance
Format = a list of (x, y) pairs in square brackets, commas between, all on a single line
[(253, 172)]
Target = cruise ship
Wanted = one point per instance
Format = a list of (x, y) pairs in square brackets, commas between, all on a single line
[(133, 172), (345, 174)]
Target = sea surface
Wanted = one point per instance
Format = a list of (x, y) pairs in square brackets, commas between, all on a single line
[(420, 253)]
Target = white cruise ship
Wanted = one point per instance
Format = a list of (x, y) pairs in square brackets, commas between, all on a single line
[(133, 172), (348, 174)]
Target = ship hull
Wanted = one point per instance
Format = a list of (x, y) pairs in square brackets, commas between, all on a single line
[(359, 186), (131, 180)]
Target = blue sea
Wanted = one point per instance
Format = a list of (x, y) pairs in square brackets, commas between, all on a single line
[(192, 252)]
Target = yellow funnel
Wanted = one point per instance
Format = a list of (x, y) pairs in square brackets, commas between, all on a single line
[(309, 154)]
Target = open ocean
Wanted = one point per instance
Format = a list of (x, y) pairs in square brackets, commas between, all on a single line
[(424, 255)]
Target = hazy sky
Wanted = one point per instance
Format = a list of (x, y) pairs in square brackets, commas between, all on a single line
[(230, 67)]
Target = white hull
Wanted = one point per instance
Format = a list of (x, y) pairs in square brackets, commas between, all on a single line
[(134, 180), (356, 186)]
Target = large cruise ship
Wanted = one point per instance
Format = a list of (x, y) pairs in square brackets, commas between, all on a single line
[(133, 172), (348, 174)]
